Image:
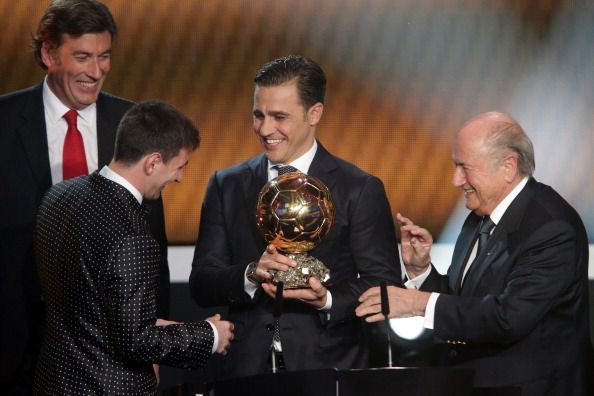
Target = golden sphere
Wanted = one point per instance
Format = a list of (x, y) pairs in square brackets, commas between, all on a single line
[(294, 212)]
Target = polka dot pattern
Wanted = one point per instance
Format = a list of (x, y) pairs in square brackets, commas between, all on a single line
[(98, 266)]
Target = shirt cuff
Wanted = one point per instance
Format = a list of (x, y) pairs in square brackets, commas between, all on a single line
[(215, 342), (417, 281), (249, 287), (430, 311), (328, 305)]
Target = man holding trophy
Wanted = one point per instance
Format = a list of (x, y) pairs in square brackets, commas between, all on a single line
[(324, 230)]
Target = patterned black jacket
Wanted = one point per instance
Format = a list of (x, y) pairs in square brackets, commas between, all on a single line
[(98, 265)]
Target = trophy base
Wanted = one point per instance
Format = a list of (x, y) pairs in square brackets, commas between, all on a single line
[(298, 277)]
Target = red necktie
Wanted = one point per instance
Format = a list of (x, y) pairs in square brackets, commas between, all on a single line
[(74, 162)]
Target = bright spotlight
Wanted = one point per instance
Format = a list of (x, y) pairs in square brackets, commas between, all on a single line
[(408, 328)]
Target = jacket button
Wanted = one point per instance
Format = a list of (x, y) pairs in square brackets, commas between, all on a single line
[(269, 327)]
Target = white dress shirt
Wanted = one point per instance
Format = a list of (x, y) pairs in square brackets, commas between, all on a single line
[(56, 127)]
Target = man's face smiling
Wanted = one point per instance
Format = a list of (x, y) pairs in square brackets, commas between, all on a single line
[(166, 173), (481, 177), (285, 128), (77, 68)]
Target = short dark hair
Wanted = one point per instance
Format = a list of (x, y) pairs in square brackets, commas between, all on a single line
[(73, 17), (154, 126), (311, 80)]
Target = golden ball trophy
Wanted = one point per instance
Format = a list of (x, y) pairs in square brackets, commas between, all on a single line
[(294, 213)]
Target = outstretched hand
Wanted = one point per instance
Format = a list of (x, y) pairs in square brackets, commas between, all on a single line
[(404, 303), (416, 246)]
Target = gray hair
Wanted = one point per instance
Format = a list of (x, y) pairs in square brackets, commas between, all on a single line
[(507, 137)]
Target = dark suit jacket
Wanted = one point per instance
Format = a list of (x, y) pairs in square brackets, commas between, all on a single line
[(98, 265), (521, 318), (361, 243), (25, 175)]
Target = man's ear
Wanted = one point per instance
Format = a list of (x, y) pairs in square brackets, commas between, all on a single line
[(314, 114), (49, 55), (510, 165), (150, 161)]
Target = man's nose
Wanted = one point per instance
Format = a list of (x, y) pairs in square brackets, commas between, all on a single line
[(458, 178), (97, 68), (266, 127)]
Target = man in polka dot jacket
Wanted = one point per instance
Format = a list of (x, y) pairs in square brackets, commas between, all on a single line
[(98, 265), (72, 44)]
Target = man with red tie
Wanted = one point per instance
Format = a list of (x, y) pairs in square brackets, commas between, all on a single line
[(59, 129)]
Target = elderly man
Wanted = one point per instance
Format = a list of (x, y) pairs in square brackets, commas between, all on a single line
[(514, 303)]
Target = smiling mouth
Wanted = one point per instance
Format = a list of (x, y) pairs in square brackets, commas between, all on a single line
[(86, 84), (272, 142), (468, 191)]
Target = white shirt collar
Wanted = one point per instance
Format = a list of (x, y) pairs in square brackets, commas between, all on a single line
[(55, 109), (500, 209), (114, 177), (302, 163)]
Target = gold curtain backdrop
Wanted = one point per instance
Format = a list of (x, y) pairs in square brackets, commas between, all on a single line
[(402, 77)]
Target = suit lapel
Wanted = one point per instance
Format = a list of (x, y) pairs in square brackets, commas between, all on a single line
[(323, 166), (494, 252), (253, 178), (462, 250), (515, 213), (107, 125), (33, 135)]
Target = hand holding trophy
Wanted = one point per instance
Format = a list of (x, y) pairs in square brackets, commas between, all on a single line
[(294, 213)]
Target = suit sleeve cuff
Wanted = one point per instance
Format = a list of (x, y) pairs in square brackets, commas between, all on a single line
[(215, 339)]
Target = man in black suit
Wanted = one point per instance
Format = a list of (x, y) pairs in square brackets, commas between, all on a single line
[(73, 43), (318, 328), (99, 267), (514, 303)]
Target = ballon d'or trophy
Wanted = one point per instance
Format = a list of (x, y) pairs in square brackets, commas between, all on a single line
[(294, 213)]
